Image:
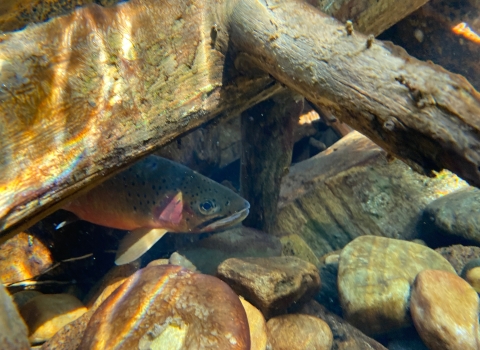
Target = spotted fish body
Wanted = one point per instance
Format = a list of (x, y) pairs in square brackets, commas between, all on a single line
[(155, 196)]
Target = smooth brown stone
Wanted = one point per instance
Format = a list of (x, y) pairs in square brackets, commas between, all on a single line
[(374, 279), (299, 332), (13, 331), (271, 284), (161, 306), (257, 326), (70, 336), (22, 257), (46, 314), (345, 336), (22, 297), (444, 310), (459, 255), (111, 281)]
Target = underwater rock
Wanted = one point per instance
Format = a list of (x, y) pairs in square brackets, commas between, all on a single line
[(237, 242), (353, 189), (46, 314), (111, 281), (13, 332), (257, 326), (180, 260), (459, 255), (158, 262), (22, 297), (161, 306), (471, 274), (328, 294), (456, 214), (70, 336), (345, 336), (271, 284), (22, 257), (294, 245), (444, 310), (374, 279), (299, 332)]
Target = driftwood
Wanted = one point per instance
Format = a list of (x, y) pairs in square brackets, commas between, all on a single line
[(267, 144), (84, 95)]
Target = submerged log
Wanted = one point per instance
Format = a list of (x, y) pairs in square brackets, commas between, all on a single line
[(267, 145), (86, 94)]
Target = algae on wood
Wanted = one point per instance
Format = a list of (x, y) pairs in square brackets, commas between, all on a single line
[(86, 94)]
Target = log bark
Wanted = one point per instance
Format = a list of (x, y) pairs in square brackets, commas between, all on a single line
[(368, 16), (267, 144), (84, 95), (425, 115)]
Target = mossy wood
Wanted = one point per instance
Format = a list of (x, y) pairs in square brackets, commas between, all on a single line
[(84, 95)]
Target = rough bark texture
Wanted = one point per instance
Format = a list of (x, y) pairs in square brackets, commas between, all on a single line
[(369, 16), (267, 143), (86, 94), (352, 189), (415, 110)]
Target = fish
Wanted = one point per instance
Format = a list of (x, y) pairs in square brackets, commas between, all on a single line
[(155, 196)]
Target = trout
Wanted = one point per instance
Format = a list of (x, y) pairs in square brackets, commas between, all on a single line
[(156, 196)]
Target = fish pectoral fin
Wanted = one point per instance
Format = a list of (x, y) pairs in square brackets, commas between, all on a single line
[(136, 243)]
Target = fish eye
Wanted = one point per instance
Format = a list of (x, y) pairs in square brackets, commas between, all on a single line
[(207, 207)]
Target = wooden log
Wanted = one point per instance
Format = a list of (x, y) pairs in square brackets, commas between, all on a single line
[(418, 111), (84, 95), (368, 16), (267, 144)]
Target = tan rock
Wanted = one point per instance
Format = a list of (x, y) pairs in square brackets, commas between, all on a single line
[(169, 307), (22, 257), (299, 332), (158, 262), (374, 279), (257, 325), (46, 314), (271, 284), (444, 310), (13, 332), (471, 274), (180, 260), (20, 298), (345, 336), (294, 245)]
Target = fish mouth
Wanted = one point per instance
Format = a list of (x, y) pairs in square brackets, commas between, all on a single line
[(225, 221)]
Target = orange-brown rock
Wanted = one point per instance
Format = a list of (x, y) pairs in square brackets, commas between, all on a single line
[(169, 306), (345, 336), (257, 325), (374, 279), (23, 256), (444, 310), (70, 336), (111, 281), (271, 284), (299, 332), (13, 332), (46, 314)]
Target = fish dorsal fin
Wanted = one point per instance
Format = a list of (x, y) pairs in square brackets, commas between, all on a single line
[(136, 243)]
